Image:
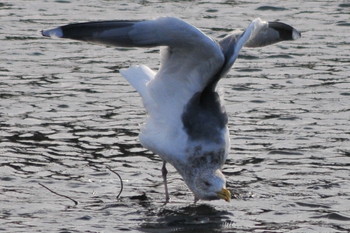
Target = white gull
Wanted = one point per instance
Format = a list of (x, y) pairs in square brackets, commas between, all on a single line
[(187, 123)]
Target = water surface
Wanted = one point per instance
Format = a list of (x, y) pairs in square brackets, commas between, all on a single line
[(66, 114)]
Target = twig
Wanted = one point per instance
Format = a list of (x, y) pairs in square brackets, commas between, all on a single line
[(61, 195), (121, 181)]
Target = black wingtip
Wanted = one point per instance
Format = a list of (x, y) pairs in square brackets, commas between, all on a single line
[(43, 34), (285, 31)]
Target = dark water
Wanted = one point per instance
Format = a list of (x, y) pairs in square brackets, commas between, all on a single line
[(66, 114)]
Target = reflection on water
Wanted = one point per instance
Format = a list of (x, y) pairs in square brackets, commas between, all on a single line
[(66, 114), (191, 218)]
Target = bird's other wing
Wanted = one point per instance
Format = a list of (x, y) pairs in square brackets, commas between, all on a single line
[(272, 32), (258, 34)]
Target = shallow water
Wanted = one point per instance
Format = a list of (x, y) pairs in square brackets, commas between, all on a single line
[(66, 114)]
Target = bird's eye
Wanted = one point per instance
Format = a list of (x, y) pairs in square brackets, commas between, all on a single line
[(207, 183)]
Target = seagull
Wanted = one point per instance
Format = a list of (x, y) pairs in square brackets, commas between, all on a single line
[(186, 125)]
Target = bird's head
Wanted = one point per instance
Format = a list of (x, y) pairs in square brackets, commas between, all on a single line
[(210, 185)]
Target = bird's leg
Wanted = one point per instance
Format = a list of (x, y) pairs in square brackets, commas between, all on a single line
[(164, 174)]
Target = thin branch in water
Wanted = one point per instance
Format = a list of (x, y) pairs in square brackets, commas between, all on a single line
[(58, 194), (121, 181)]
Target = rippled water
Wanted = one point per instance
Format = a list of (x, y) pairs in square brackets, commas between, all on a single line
[(66, 114)]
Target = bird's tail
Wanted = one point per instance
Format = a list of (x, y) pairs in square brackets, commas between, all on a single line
[(139, 77)]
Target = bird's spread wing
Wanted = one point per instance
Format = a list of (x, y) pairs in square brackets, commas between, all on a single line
[(185, 43), (189, 59)]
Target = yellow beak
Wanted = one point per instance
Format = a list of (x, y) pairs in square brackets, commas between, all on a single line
[(224, 194)]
